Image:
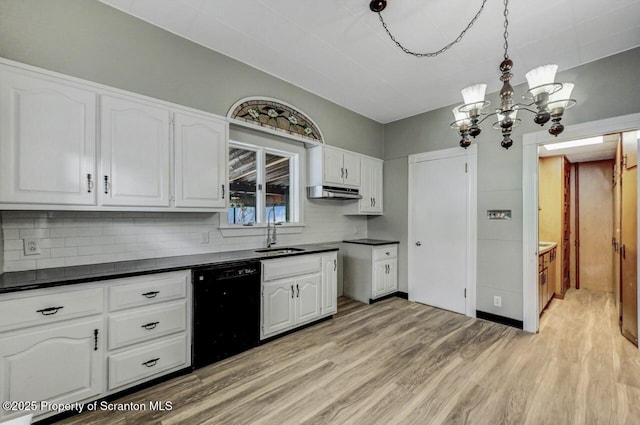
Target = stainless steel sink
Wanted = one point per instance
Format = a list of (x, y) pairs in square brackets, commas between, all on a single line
[(279, 251)]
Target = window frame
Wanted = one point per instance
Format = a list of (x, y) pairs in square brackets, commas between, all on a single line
[(296, 195)]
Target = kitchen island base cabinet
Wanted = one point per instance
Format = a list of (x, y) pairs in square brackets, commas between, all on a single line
[(370, 271), (297, 291)]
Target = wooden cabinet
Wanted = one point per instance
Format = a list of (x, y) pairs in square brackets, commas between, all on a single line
[(58, 150), (370, 271), (554, 214), (629, 239), (59, 344), (370, 188), (296, 291), (47, 140), (134, 153), (333, 167), (546, 277), (329, 283), (200, 161)]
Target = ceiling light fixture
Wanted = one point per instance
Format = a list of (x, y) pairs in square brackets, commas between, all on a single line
[(551, 99), (575, 143)]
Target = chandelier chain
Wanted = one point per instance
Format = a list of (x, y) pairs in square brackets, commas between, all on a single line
[(448, 46), (506, 29)]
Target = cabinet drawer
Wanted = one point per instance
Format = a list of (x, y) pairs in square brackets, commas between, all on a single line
[(145, 290), (144, 324), (50, 307), (386, 251), (287, 267), (140, 363)]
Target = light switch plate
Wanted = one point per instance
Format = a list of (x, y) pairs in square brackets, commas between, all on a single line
[(499, 214)]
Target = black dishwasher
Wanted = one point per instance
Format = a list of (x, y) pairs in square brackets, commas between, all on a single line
[(226, 311)]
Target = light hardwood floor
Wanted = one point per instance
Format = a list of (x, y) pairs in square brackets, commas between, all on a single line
[(397, 362)]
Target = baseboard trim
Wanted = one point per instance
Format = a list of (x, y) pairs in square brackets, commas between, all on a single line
[(397, 294), (499, 319)]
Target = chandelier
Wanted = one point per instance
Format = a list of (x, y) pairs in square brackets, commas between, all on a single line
[(549, 98)]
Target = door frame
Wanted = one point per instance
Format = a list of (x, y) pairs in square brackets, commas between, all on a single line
[(471, 153), (530, 143)]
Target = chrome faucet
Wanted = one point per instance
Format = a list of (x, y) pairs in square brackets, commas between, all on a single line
[(271, 230)]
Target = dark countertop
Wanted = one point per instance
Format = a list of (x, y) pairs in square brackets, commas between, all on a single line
[(373, 242), (43, 278)]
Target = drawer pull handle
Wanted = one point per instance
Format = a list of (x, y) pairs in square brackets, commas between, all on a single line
[(150, 326), (292, 291), (151, 294), (49, 311), (95, 340), (151, 363), (298, 288)]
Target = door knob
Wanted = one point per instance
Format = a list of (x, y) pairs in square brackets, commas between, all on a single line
[(418, 243)]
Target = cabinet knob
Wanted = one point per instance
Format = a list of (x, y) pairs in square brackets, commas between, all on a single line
[(418, 243)]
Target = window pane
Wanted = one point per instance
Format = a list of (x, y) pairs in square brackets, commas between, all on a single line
[(242, 186), (278, 183)]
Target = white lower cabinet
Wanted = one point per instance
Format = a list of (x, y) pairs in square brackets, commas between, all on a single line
[(329, 283), (297, 290), (64, 341), (62, 363), (370, 271)]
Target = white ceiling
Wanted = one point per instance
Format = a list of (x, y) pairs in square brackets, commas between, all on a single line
[(339, 51)]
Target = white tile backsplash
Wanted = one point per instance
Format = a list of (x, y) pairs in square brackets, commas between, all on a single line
[(78, 238)]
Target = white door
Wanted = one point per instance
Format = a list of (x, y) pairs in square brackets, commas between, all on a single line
[(439, 231), (47, 140), (62, 364), (134, 153), (307, 298), (201, 161)]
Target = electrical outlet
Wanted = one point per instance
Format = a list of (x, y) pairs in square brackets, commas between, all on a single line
[(31, 246), (204, 237), (497, 301)]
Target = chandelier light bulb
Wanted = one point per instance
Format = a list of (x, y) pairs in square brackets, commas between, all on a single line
[(461, 118)]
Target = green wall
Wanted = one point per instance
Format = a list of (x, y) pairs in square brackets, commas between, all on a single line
[(605, 88), (90, 40)]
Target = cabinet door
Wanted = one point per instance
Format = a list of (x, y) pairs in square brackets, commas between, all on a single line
[(134, 153), (391, 278), (333, 168), (351, 164), (630, 149), (200, 161), (61, 364), (379, 278), (307, 298), (329, 284), (375, 185), (47, 140), (366, 187), (277, 307)]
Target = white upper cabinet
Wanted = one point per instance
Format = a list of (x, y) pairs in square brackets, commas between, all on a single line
[(370, 188), (200, 161), (70, 144), (333, 167), (47, 140), (134, 152)]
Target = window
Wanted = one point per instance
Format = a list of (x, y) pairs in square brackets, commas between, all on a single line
[(262, 185)]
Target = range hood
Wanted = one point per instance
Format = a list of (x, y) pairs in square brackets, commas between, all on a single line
[(331, 192)]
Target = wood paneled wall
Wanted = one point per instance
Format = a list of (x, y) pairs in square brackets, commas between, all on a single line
[(595, 195)]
